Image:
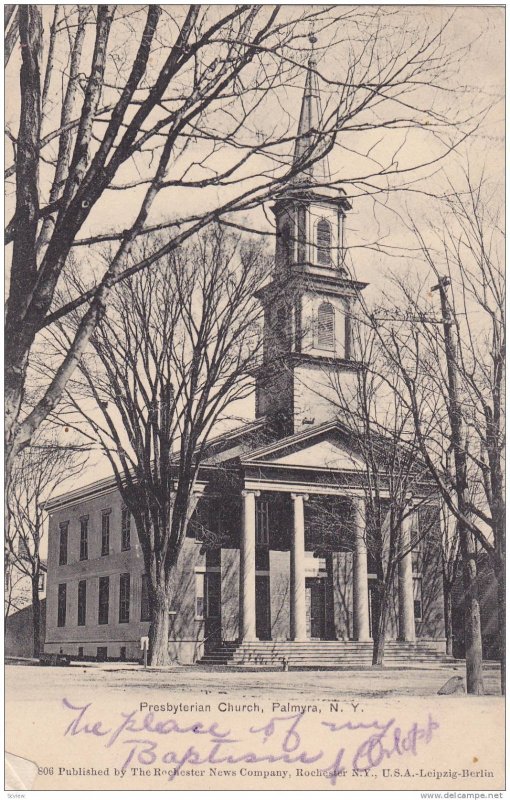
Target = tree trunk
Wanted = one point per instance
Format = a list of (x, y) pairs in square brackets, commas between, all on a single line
[(472, 625), (36, 616), (159, 629), (501, 625), (473, 631), (379, 630), (448, 620)]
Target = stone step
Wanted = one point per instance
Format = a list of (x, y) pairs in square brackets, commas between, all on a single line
[(328, 651), (333, 643), (326, 654)]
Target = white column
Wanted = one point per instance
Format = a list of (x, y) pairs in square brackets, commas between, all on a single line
[(247, 605), (406, 627), (297, 572), (360, 577)]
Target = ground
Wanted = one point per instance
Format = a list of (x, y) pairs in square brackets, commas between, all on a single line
[(61, 718), (21, 681)]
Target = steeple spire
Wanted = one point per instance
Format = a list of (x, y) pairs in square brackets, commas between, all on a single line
[(310, 142)]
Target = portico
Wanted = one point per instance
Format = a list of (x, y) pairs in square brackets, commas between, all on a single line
[(276, 478)]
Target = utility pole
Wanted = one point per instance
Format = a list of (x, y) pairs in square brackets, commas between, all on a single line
[(472, 625)]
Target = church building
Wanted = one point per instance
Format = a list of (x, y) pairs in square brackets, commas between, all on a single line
[(275, 569)]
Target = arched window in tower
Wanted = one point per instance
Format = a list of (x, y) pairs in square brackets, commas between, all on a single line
[(323, 242), (286, 244), (326, 327), (301, 234)]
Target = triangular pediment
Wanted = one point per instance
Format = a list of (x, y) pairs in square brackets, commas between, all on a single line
[(325, 454), (324, 448)]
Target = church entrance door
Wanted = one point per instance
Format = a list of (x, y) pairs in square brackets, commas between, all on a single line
[(316, 608), (263, 607), (212, 610)]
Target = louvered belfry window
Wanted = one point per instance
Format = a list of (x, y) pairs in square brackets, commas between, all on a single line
[(286, 244), (326, 327), (323, 242)]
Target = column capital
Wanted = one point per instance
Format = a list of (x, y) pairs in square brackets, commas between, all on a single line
[(248, 492), (296, 495), (357, 501)]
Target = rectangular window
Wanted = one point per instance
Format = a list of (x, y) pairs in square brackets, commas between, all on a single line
[(62, 553), (213, 557), (145, 610), (80, 652), (417, 560), (418, 600), (84, 538), (104, 600), (417, 544), (199, 595), (126, 529), (105, 533), (213, 595), (262, 523), (23, 551), (124, 597), (82, 602), (41, 582), (102, 654), (61, 605)]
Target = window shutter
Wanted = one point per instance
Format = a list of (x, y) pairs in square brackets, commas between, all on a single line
[(326, 327), (324, 242), (286, 244)]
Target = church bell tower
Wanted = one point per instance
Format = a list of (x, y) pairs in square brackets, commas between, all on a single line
[(309, 355)]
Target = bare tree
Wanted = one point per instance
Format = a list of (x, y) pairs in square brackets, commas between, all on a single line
[(450, 561), (397, 487), (144, 103), (452, 367), (176, 350), (17, 594), (37, 473)]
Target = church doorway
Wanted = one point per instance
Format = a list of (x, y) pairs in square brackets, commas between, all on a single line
[(373, 606), (212, 609), (263, 607), (316, 608)]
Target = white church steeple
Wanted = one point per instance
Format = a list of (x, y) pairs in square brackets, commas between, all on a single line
[(308, 305), (311, 141)]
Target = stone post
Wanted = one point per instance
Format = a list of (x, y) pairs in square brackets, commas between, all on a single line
[(297, 572), (406, 627), (247, 605), (360, 578)]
